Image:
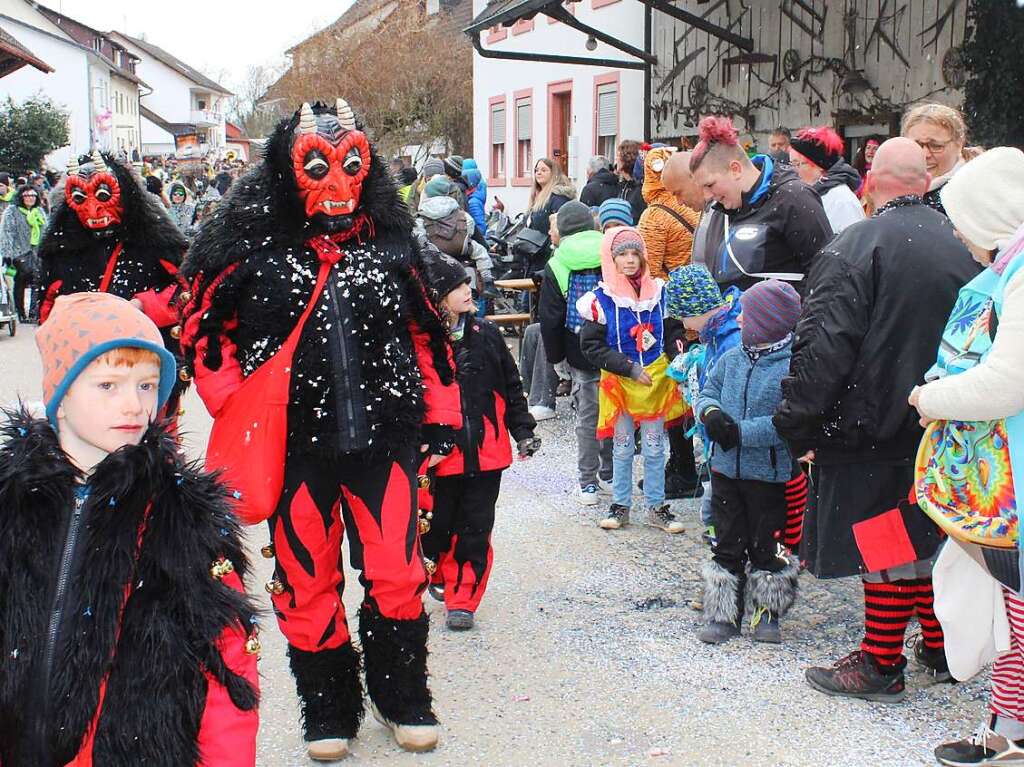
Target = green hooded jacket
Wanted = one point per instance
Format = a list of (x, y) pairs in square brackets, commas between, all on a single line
[(574, 254)]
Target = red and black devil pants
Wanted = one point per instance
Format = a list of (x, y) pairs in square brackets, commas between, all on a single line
[(459, 539), (376, 503)]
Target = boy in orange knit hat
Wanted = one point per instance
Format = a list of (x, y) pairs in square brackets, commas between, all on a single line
[(123, 606)]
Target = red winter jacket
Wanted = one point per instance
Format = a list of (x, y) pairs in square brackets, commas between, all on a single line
[(493, 404)]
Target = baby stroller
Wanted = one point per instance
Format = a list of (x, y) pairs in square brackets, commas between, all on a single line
[(8, 314)]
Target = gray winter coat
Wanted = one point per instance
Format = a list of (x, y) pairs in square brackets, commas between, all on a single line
[(14, 238), (749, 392)]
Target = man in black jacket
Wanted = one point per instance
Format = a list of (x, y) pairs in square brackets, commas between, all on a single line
[(573, 270), (877, 301), (601, 183)]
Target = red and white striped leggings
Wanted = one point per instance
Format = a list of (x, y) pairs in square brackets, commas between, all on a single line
[(1008, 669)]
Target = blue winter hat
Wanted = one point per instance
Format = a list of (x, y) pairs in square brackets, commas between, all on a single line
[(615, 210), (439, 186), (691, 291), (469, 164), (472, 176)]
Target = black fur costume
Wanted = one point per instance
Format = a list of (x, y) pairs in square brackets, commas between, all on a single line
[(77, 257), (156, 689), (261, 227)]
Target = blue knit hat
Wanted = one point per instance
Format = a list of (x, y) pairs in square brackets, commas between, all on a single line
[(439, 186), (615, 210), (691, 291)]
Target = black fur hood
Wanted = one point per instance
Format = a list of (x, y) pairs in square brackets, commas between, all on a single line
[(155, 649), (146, 227), (263, 212)]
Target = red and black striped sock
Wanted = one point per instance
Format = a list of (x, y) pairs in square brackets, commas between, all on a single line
[(888, 608), (925, 603), (796, 504)]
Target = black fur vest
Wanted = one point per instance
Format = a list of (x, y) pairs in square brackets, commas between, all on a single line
[(154, 649)]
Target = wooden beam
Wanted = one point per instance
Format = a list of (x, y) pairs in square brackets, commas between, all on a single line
[(698, 22)]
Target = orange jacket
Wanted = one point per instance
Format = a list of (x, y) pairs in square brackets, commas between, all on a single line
[(669, 243)]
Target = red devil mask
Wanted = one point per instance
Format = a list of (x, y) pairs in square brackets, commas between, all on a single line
[(330, 159), (94, 194)]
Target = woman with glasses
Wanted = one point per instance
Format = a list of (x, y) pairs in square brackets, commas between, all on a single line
[(941, 132)]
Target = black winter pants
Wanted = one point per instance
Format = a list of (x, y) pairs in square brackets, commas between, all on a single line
[(459, 539), (23, 279), (749, 519), (681, 463)]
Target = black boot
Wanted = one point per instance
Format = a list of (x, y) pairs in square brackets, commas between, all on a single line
[(330, 691), (396, 676), (395, 653)]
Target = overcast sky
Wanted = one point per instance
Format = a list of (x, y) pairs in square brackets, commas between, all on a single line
[(215, 36)]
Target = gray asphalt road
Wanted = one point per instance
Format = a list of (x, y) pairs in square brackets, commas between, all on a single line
[(585, 650)]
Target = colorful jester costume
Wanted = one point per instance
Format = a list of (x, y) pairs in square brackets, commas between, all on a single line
[(371, 380)]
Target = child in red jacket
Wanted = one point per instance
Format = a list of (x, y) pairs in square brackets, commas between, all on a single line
[(125, 635), (457, 545)]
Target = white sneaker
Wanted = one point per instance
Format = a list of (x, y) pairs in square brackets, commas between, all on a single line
[(542, 413), (588, 495), (327, 749), (604, 486)]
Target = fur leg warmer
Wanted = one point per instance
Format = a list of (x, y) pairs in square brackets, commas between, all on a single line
[(396, 666), (723, 594), (773, 592), (330, 691)]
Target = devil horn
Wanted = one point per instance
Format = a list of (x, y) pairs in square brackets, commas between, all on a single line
[(73, 166), (346, 117), (99, 162), (307, 120)]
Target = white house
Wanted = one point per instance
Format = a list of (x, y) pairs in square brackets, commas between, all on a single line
[(524, 110), (84, 81), (183, 100)]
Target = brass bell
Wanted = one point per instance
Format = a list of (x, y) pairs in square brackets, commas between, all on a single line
[(424, 526), (184, 375), (252, 645), (184, 297), (423, 481), (176, 331), (268, 551), (221, 568), (430, 566), (274, 586)]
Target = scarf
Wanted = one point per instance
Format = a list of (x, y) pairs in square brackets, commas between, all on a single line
[(36, 221), (1013, 249), (459, 330), (756, 352), (939, 181)]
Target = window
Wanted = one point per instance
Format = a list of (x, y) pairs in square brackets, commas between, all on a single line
[(97, 44), (606, 115), (524, 138), (499, 130), (433, 7)]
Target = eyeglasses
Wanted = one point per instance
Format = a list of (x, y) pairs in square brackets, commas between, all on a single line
[(933, 147)]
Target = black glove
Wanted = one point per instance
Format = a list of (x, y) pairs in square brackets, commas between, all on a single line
[(490, 290), (721, 428), (528, 446), (439, 439)]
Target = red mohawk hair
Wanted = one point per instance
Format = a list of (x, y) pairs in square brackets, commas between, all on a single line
[(713, 130), (831, 141)]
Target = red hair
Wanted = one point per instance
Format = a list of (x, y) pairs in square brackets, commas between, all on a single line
[(826, 137), (713, 131)]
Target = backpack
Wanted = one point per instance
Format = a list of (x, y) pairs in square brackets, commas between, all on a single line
[(448, 234)]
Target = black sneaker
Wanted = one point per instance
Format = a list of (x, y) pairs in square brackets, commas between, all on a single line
[(618, 517), (858, 675), (459, 620), (985, 747), (932, 661)]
